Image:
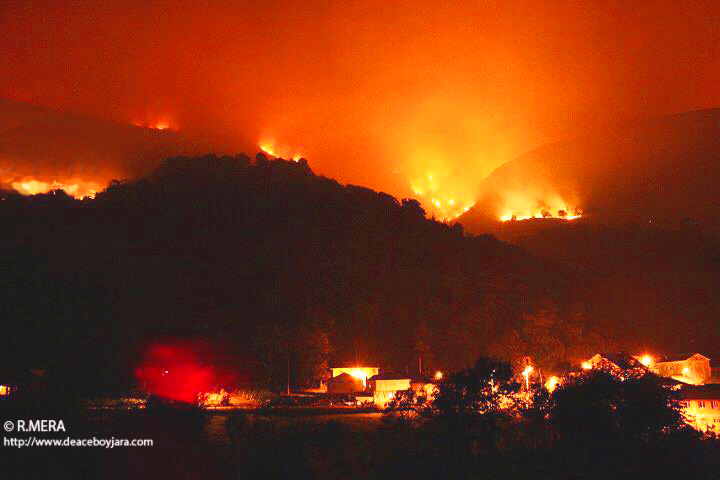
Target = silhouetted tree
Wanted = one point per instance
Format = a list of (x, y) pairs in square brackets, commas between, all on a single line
[(472, 403)]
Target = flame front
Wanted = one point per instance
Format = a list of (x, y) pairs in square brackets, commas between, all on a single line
[(444, 202), (271, 148), (564, 213), (74, 187)]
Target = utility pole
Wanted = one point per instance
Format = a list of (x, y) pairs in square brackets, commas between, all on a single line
[(288, 374)]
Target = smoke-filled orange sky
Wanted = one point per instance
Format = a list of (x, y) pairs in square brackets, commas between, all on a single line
[(385, 94)]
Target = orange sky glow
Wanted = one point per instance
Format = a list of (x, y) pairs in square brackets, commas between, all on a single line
[(418, 99)]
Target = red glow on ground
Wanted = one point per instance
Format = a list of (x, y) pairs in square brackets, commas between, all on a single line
[(174, 371)]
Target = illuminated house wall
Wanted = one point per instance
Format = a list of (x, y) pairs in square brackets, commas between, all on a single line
[(701, 406), (384, 386), (345, 383), (694, 369)]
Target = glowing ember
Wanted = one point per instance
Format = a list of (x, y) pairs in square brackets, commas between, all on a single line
[(586, 366), (438, 375), (4, 390), (76, 187)]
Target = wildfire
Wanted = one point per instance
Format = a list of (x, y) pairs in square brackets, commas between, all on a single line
[(213, 399), (445, 204), (565, 213), (156, 121), (269, 147), (77, 188)]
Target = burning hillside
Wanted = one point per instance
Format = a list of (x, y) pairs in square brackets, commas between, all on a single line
[(658, 172), (439, 198), (542, 212), (75, 187), (43, 149), (271, 148)]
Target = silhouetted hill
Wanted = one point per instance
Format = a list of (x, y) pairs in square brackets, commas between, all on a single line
[(54, 146), (658, 172), (647, 245), (265, 259)]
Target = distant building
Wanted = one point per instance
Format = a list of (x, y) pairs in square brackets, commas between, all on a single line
[(688, 368), (385, 385), (363, 373), (614, 362), (701, 406), (345, 383)]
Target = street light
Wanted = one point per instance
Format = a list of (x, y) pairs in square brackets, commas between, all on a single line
[(646, 360), (528, 370)]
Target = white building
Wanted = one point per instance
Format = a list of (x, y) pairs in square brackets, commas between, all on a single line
[(384, 386)]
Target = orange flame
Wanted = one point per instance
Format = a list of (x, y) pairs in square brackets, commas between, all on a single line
[(444, 202), (75, 187), (565, 213), (269, 147)]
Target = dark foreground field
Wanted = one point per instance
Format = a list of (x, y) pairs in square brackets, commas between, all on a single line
[(222, 445)]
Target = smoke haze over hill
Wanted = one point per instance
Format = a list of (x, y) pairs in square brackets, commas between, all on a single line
[(376, 94)]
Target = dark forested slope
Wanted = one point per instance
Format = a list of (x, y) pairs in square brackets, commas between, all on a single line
[(266, 261)]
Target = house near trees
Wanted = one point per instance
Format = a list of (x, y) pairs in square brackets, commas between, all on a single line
[(687, 368), (701, 406), (613, 362), (385, 385), (361, 373), (345, 383), (690, 374)]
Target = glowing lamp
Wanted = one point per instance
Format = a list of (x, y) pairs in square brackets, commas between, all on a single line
[(528, 370)]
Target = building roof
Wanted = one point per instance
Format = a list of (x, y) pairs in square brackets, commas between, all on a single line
[(679, 357), (710, 391), (344, 377), (622, 360), (390, 376), (349, 366)]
